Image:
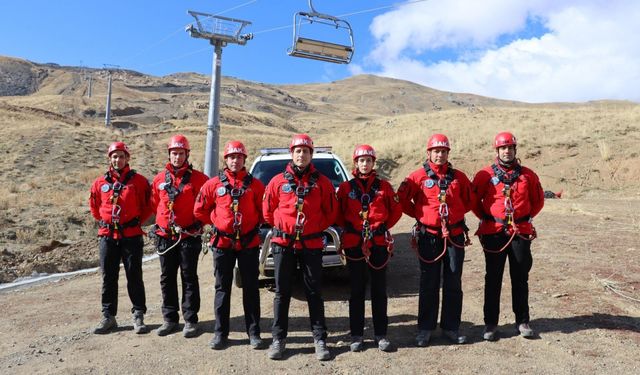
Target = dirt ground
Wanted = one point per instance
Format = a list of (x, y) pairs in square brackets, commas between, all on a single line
[(584, 297)]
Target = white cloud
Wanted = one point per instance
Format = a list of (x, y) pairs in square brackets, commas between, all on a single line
[(589, 52)]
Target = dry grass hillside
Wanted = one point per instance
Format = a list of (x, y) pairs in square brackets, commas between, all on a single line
[(53, 140)]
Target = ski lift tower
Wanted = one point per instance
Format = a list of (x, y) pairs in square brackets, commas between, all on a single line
[(220, 31), (107, 112)]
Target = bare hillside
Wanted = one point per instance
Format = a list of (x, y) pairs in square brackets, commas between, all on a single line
[(54, 138)]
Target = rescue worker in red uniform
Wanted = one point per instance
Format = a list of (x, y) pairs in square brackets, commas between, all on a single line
[(438, 197), (177, 233), (369, 207), (508, 196), (119, 201), (300, 204), (232, 203)]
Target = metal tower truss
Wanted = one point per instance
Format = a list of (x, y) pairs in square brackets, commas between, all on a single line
[(218, 28)]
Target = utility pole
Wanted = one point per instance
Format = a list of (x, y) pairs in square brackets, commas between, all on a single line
[(107, 111), (85, 75), (219, 31), (90, 83), (107, 115)]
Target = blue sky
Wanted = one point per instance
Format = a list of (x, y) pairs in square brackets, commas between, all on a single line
[(536, 51)]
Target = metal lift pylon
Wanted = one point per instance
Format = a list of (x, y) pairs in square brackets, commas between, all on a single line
[(220, 31)]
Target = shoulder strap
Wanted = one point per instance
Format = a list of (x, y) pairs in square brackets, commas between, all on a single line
[(313, 179), (355, 188), (442, 183), (246, 181), (506, 178), (129, 176), (171, 190), (373, 190), (114, 184)]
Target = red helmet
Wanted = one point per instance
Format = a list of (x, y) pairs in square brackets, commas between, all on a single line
[(301, 140), (504, 139), (118, 146), (438, 140), (364, 150), (178, 141), (234, 147)]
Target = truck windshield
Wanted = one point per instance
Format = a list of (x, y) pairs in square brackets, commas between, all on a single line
[(266, 169)]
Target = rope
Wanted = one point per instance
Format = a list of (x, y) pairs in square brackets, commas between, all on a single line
[(179, 231), (612, 286), (431, 261), (366, 258), (530, 237)]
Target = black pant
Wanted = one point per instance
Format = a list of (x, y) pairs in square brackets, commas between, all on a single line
[(183, 256), (520, 262), (449, 270), (359, 272), (129, 251), (285, 261), (224, 261)]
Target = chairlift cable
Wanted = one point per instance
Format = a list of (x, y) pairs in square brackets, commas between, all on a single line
[(380, 8), (180, 30), (207, 48), (271, 29), (394, 5)]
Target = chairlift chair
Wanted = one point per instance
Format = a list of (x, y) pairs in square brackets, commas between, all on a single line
[(318, 49)]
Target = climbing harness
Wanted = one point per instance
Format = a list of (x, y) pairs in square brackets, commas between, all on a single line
[(236, 237), (173, 192), (301, 192), (443, 211), (509, 224), (366, 234), (174, 230), (116, 188)]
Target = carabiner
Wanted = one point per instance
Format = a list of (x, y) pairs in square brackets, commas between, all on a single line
[(301, 191), (115, 211), (235, 193), (300, 219), (365, 199), (237, 219), (443, 210), (508, 205)]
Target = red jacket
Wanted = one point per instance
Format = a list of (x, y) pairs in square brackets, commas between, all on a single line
[(213, 206), (384, 209), (133, 200), (419, 198), (527, 199), (184, 200), (320, 207)]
